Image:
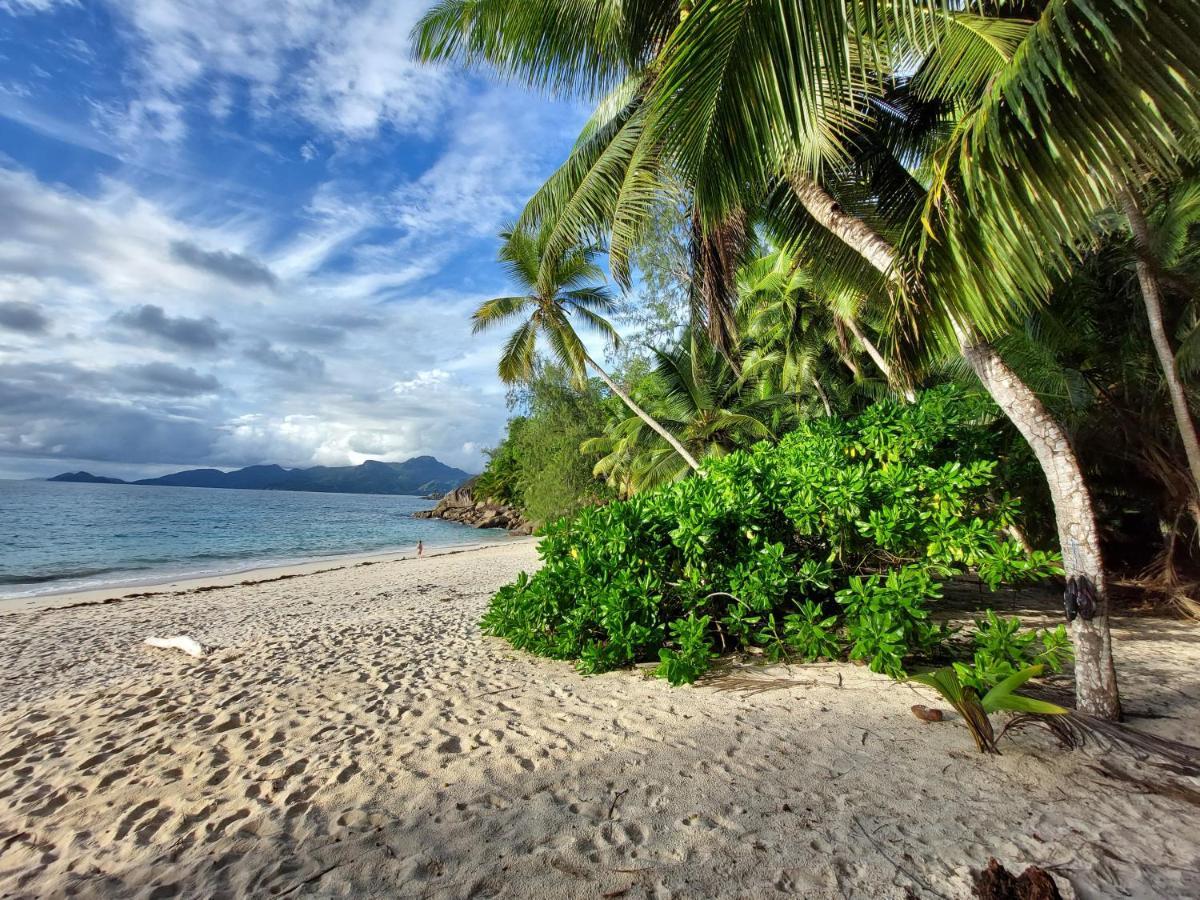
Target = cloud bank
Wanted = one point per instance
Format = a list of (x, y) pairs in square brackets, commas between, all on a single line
[(257, 236)]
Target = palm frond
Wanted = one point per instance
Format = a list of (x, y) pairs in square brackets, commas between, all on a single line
[(564, 46), (967, 51), (492, 312), (568, 350), (517, 357), (1099, 93), (597, 323)]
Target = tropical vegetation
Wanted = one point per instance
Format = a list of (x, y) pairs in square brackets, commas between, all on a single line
[(845, 202), (829, 544)]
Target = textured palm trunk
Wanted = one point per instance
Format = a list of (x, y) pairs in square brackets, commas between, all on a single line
[(853, 231), (1152, 298), (880, 363), (1095, 678), (821, 393), (643, 415), (844, 350)]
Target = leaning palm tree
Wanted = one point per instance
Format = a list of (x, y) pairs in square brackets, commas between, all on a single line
[(710, 402), (556, 288), (1159, 241)]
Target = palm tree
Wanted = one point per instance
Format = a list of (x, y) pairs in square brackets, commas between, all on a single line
[(741, 97), (1098, 371), (713, 405), (1157, 249), (790, 303), (556, 288)]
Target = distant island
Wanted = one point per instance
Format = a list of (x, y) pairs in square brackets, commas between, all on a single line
[(419, 475), (86, 478)]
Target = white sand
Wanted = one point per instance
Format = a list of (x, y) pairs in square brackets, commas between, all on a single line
[(354, 735)]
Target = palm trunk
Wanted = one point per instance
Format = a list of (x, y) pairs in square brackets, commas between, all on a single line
[(825, 397), (1152, 298), (853, 231), (1095, 677), (882, 364), (821, 393), (643, 415), (844, 347)]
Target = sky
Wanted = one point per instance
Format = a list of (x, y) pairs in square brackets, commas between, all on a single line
[(247, 231)]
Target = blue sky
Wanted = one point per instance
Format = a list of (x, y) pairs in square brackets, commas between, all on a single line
[(242, 231)]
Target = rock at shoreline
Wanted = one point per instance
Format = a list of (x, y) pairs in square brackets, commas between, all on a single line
[(461, 506)]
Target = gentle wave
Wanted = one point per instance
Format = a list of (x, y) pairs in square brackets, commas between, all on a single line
[(45, 577)]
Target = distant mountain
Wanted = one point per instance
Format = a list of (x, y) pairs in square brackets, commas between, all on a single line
[(420, 475), (85, 478)]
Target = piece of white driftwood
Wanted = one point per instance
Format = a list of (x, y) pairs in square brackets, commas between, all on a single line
[(188, 645)]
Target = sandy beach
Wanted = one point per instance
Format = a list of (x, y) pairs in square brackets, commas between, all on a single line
[(353, 734)]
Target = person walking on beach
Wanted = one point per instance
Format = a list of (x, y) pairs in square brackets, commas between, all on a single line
[(420, 548)]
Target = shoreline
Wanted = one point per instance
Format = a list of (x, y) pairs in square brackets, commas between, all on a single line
[(252, 574)]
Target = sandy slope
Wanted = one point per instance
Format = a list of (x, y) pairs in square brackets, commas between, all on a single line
[(356, 736)]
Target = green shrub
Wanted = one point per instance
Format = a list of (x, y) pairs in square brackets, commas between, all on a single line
[(1002, 649), (538, 467), (830, 543)]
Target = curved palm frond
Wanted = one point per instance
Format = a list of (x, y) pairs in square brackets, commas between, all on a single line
[(598, 324), (565, 46), (492, 312), (516, 359), (965, 52), (1098, 93)]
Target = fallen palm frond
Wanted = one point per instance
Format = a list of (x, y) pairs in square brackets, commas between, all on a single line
[(1076, 730), (729, 676), (1164, 753), (750, 685)]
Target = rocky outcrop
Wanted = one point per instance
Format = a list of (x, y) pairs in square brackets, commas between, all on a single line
[(460, 505)]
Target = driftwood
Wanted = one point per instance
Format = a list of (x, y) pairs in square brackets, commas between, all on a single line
[(997, 883), (188, 645)]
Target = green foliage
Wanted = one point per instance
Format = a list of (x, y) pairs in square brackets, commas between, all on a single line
[(1002, 649), (501, 480), (887, 617), (767, 549), (538, 467), (810, 634), (685, 664), (695, 393)]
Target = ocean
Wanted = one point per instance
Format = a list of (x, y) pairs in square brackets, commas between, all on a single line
[(57, 537)]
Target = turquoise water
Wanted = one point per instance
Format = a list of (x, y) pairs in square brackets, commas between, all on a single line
[(58, 537)]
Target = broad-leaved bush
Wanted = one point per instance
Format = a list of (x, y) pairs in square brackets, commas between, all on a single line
[(829, 544)]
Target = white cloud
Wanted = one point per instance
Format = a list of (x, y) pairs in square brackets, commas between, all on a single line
[(355, 271), (344, 67), (114, 244), (363, 76), (487, 171), (392, 379), (422, 381), (17, 7)]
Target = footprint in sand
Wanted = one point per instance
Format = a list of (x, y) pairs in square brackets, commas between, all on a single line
[(450, 745), (126, 825)]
